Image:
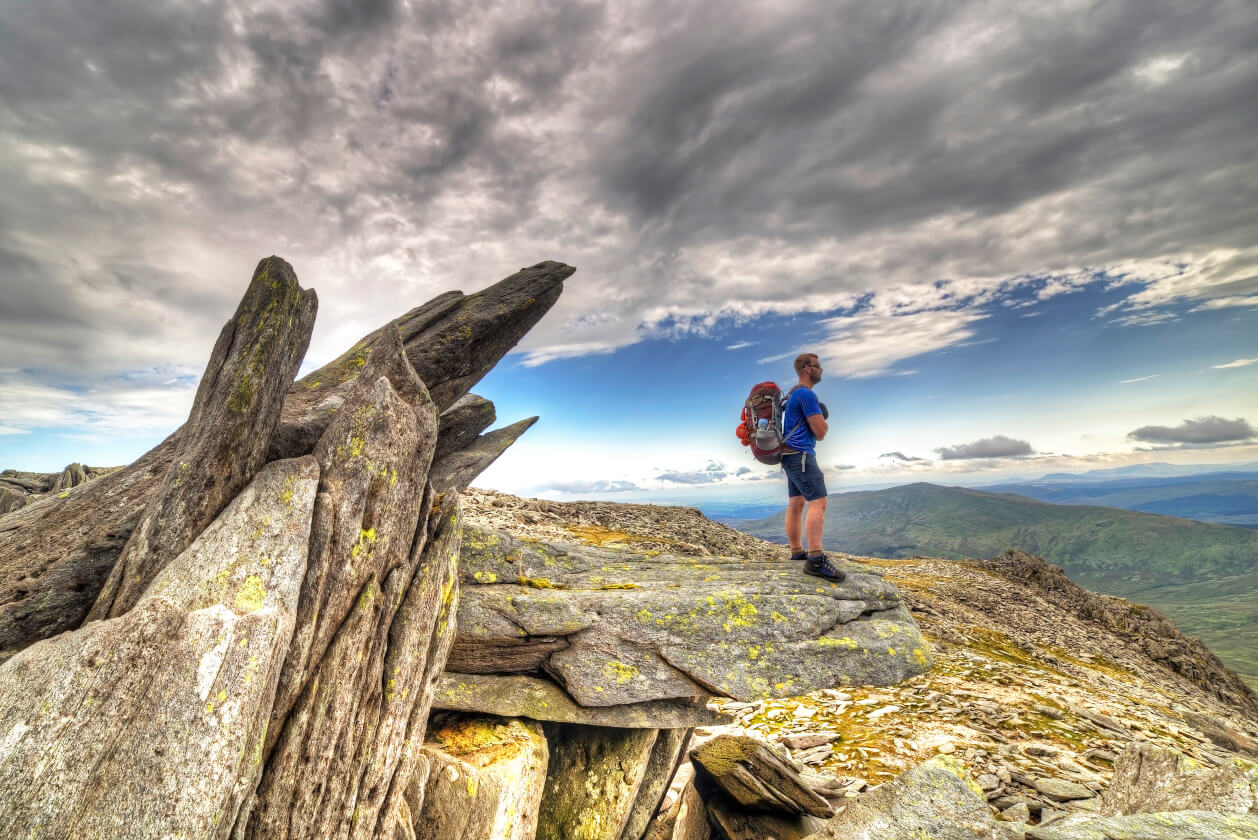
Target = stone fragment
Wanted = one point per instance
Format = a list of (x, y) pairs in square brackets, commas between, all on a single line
[(1061, 790), (988, 782), (151, 724), (1222, 734), (756, 777), (1170, 825), (737, 823), (592, 781), (1018, 812), (11, 499), (224, 441), (485, 781), (1149, 778), (936, 799), (808, 740), (541, 699)]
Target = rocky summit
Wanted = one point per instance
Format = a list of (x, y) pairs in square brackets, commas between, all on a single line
[(293, 619), (246, 632)]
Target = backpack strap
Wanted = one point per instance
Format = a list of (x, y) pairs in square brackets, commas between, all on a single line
[(798, 425)]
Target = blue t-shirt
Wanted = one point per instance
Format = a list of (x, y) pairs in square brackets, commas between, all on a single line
[(803, 403)]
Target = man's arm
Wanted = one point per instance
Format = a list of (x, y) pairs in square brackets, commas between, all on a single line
[(818, 425)]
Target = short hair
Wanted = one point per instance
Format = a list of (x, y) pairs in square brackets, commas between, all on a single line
[(803, 360)]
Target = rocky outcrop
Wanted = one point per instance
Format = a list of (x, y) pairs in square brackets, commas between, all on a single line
[(55, 554), (757, 778), (1152, 631), (151, 724), (1149, 779), (224, 442), (1175, 825), (18, 489), (273, 677), (616, 627)]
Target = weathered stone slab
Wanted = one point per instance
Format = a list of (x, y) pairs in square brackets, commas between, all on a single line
[(593, 780), (470, 415), (486, 779), (224, 441), (686, 819), (936, 799), (1149, 778), (151, 724), (457, 469), (540, 699), (756, 777), (644, 627), (1170, 825), (737, 823)]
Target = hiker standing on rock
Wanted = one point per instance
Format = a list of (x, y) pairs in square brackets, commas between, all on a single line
[(805, 423)]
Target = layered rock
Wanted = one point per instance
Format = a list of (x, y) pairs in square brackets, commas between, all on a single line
[(617, 627)]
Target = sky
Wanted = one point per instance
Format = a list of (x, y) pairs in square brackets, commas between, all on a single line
[(1022, 238)]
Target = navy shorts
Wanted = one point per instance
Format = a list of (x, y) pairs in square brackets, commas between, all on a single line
[(804, 476)]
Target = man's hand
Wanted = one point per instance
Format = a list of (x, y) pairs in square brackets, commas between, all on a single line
[(818, 425)]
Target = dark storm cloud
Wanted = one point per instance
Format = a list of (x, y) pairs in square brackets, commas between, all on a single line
[(1203, 430), (152, 153), (992, 447)]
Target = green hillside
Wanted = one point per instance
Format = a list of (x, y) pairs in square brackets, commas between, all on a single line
[(1199, 574)]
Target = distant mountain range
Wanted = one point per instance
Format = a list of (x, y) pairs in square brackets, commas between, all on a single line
[(1202, 575), (1224, 498)]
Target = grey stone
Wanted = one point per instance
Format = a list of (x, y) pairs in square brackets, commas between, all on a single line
[(486, 779), (737, 823), (756, 777), (593, 780), (224, 441), (1171, 825), (1018, 812), (151, 724), (808, 740), (687, 819), (1061, 790), (1149, 778), (936, 799), (989, 782), (541, 699)]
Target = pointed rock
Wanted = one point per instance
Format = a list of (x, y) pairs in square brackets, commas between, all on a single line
[(151, 724), (224, 442), (455, 471), (470, 415)]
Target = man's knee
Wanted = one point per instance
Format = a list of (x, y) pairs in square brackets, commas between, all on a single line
[(818, 505), (795, 503)]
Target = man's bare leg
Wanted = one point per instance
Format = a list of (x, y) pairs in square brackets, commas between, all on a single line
[(814, 523), (794, 523)]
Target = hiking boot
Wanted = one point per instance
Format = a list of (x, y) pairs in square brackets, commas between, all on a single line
[(798, 554), (821, 566)]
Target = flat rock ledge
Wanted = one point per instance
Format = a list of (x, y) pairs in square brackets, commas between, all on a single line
[(616, 627)]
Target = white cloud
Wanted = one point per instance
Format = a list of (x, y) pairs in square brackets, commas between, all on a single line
[(1139, 379), (872, 342), (1235, 364)]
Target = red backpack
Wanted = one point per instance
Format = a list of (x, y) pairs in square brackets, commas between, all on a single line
[(761, 424)]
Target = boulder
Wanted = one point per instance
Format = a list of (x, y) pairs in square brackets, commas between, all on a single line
[(736, 823), (151, 724), (1170, 825), (756, 777), (1149, 778), (541, 699), (640, 627), (486, 779), (224, 442), (593, 780), (936, 799)]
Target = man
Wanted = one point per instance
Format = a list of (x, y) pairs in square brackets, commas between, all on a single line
[(804, 423)]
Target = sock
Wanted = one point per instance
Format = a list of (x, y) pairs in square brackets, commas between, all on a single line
[(798, 554), (812, 555)]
